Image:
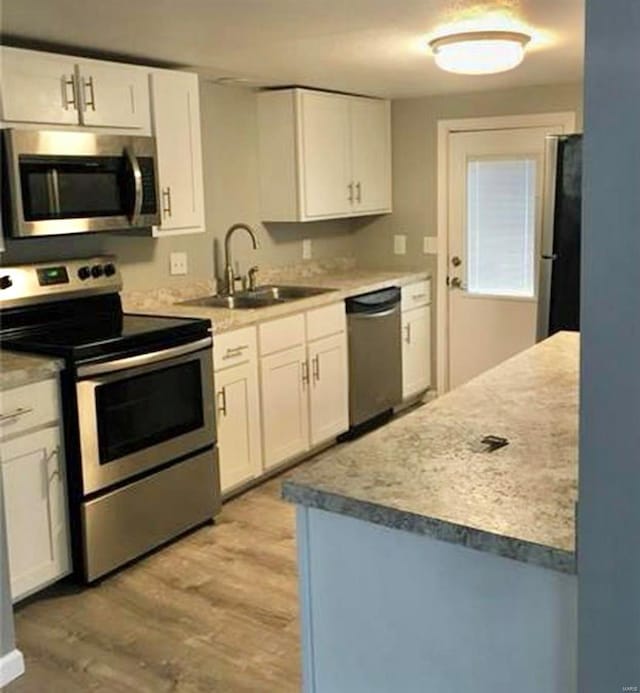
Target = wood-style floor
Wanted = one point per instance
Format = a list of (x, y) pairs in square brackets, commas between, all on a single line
[(215, 611)]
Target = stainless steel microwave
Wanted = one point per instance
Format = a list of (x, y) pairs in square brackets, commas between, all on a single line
[(61, 182)]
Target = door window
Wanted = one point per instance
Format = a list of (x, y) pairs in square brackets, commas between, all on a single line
[(500, 233)]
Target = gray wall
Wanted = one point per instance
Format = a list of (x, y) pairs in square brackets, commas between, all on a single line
[(230, 159), (414, 125), (609, 512)]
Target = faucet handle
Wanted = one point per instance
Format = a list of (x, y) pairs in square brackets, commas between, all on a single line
[(252, 277)]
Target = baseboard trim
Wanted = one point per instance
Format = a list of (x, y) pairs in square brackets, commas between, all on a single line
[(11, 666)]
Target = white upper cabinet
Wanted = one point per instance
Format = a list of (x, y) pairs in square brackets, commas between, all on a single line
[(323, 155), (40, 89), (325, 160), (175, 110), (371, 154), (113, 95)]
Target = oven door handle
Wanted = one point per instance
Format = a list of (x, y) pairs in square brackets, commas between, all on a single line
[(143, 359), (136, 174)]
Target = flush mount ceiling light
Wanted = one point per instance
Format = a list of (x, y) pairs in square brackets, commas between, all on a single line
[(479, 52)]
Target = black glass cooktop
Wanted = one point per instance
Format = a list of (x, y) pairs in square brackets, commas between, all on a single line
[(94, 332)]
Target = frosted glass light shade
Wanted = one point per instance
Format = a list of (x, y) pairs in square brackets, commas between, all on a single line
[(479, 52)]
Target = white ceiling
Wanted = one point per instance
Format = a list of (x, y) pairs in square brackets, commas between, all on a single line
[(362, 46)]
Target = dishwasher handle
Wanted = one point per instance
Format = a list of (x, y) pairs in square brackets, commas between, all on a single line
[(376, 314), (375, 302)]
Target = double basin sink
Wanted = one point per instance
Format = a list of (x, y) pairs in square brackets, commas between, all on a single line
[(261, 297)]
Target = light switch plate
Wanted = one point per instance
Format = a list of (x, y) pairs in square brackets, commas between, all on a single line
[(178, 263), (400, 244), (430, 245), (306, 249)]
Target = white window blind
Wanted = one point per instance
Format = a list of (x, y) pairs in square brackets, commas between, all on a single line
[(501, 196)]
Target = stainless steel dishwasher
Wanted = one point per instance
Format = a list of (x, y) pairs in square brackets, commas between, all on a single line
[(375, 354)]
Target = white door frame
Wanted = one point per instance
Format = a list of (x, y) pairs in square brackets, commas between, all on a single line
[(446, 128)]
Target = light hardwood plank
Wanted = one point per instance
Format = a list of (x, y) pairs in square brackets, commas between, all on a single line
[(216, 611)]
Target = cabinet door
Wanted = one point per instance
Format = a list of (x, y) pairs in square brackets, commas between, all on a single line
[(416, 351), (36, 511), (114, 96), (238, 421), (371, 154), (325, 157), (284, 387), (329, 388), (38, 88), (175, 107)]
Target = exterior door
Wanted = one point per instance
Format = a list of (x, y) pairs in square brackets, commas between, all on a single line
[(495, 196), (238, 422), (285, 405), (329, 388)]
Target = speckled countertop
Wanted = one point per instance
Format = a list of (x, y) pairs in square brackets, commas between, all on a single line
[(427, 472), (345, 282), (21, 369)]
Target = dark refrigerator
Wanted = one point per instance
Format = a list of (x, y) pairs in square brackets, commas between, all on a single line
[(559, 286)]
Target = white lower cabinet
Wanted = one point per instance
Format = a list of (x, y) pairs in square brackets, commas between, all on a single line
[(416, 338), (285, 405), (35, 505), (304, 382), (329, 411), (238, 420)]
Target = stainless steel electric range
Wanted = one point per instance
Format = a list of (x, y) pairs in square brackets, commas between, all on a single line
[(137, 392)]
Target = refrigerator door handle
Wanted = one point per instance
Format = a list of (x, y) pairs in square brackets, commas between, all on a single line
[(546, 242)]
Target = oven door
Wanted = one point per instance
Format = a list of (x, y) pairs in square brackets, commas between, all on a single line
[(71, 182), (144, 411)]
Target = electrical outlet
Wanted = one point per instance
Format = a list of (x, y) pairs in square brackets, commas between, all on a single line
[(306, 249), (400, 244), (178, 263), (430, 245)]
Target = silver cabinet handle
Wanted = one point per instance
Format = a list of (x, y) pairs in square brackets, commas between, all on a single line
[(66, 101), (350, 196), (417, 297), (316, 367), (407, 330), (305, 372), (16, 413), (235, 351), (359, 192), (91, 102), (222, 402), (166, 195)]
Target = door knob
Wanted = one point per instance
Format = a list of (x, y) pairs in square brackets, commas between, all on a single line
[(456, 283), (456, 261)]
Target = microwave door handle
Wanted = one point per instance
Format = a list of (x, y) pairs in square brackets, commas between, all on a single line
[(137, 183)]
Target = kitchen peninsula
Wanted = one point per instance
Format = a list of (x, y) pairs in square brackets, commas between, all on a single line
[(427, 560)]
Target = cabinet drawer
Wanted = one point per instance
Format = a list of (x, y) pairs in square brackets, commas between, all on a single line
[(232, 348), (281, 334), (28, 406), (416, 294), (326, 321)]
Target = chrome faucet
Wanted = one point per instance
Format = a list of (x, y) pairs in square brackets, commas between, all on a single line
[(228, 269)]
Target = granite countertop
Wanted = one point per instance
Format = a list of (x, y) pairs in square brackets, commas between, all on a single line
[(18, 369), (427, 472), (346, 283)]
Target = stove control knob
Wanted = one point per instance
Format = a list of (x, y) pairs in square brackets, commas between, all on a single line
[(84, 272), (5, 281), (97, 271), (109, 269)]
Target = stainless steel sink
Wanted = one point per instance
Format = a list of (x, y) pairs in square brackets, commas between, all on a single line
[(261, 297)]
